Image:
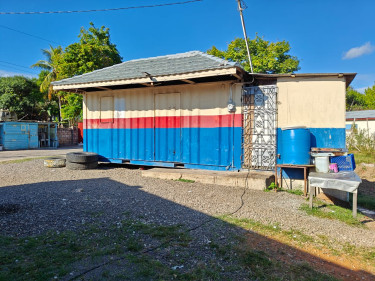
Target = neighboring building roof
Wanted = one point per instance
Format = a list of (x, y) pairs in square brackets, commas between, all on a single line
[(348, 76), (148, 68), (360, 115)]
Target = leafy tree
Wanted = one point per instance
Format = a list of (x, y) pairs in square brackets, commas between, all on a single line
[(51, 106), (52, 64), (72, 109), (93, 51), (22, 96), (357, 101), (266, 57), (354, 100), (370, 97), (52, 71)]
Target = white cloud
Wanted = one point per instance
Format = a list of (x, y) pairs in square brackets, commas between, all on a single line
[(5, 73), (361, 90), (356, 52)]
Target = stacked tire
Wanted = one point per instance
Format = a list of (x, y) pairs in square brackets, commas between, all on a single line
[(81, 160)]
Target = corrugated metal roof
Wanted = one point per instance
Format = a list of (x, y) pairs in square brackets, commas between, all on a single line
[(348, 76), (360, 114), (193, 61)]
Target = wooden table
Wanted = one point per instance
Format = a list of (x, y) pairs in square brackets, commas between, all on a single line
[(283, 166)]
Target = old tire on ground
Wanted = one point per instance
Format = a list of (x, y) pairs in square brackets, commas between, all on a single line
[(81, 157), (54, 162), (81, 166)]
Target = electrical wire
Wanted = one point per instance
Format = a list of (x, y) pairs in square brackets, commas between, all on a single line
[(16, 68), (25, 33), (14, 64), (100, 10), (170, 240)]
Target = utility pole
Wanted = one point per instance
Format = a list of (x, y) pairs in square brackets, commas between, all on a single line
[(241, 7)]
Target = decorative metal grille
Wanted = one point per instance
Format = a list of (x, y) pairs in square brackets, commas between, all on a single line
[(259, 123)]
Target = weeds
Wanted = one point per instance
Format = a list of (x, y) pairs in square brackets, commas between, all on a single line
[(186, 180), (327, 211)]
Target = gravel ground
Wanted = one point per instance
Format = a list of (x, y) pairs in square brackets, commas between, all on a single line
[(35, 199)]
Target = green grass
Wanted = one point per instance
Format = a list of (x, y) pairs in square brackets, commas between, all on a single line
[(363, 157), (53, 254), (186, 180), (365, 201), (366, 254), (294, 191), (333, 212), (21, 160)]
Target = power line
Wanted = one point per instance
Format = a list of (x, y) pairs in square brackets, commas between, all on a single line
[(100, 10), (1, 61), (35, 36), (18, 69)]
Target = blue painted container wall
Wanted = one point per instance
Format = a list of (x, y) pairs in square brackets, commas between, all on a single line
[(19, 135), (319, 137), (203, 148), (295, 149)]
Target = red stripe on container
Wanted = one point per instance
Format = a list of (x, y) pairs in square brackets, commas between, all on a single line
[(197, 121)]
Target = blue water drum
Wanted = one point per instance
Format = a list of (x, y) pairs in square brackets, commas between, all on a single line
[(296, 146)]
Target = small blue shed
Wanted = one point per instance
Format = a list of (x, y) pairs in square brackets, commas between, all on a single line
[(18, 135)]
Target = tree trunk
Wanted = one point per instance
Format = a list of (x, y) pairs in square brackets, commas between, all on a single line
[(60, 117)]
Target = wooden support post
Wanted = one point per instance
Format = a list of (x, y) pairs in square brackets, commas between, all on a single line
[(49, 135), (312, 191), (281, 177), (355, 193)]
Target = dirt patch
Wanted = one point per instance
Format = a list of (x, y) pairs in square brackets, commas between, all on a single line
[(367, 174), (320, 259)]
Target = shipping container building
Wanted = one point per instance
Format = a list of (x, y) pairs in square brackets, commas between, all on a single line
[(198, 111)]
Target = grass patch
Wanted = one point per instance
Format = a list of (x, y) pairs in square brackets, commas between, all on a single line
[(186, 180), (363, 157), (294, 191), (365, 201), (22, 160), (297, 238), (333, 212), (53, 255)]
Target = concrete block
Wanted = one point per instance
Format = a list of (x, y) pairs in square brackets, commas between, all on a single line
[(253, 180)]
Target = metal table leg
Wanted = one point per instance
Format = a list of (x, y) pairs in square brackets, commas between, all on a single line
[(355, 193), (312, 193)]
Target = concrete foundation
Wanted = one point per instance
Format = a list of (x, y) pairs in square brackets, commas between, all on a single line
[(253, 180)]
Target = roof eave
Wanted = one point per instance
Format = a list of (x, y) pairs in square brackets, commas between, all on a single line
[(235, 71), (348, 76)]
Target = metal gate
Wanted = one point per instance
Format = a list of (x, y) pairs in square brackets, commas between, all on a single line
[(259, 123)]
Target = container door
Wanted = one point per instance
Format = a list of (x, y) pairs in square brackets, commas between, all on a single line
[(259, 105), (167, 128), (15, 136), (33, 135)]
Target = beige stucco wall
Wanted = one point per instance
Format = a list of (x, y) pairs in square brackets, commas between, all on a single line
[(311, 102), (199, 99)]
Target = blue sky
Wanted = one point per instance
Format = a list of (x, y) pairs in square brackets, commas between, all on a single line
[(327, 36)]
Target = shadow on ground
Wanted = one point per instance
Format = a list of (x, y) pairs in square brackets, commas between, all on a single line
[(102, 229)]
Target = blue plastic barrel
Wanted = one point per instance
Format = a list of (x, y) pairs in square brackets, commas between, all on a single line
[(295, 146)]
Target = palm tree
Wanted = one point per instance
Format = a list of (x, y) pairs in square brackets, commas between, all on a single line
[(52, 64)]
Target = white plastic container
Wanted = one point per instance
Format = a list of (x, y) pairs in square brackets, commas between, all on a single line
[(322, 164)]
